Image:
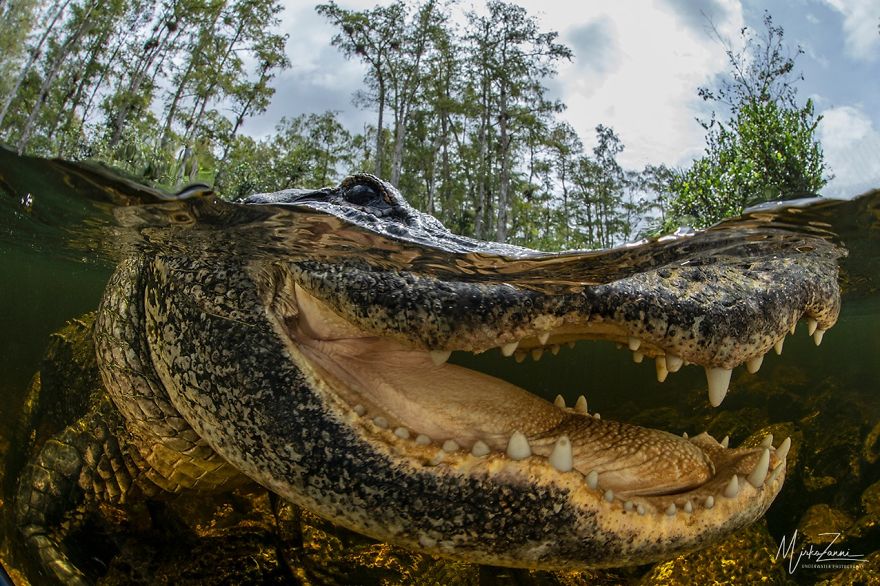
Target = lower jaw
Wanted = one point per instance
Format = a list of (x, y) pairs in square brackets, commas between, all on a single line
[(572, 518), (502, 428)]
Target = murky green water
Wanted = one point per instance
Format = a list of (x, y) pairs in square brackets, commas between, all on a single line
[(62, 228)]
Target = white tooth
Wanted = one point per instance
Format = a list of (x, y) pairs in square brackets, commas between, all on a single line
[(688, 507), (753, 365), (597, 415), (628, 506), (559, 401), (684, 435), (543, 338), (782, 450), (662, 371), (812, 324), (634, 343), (710, 502), (638, 357), (609, 495), (537, 353), (793, 328), (671, 509), (520, 356), (777, 347), (554, 349), (359, 409), (380, 421), (518, 446), (732, 488), (817, 337), (450, 446), (640, 509), (767, 442), (775, 474), (438, 457), (439, 357), (719, 380), (479, 449), (402, 433), (673, 362), (423, 440), (561, 457), (581, 405), (759, 474), (726, 441), (571, 344), (593, 479), (509, 349)]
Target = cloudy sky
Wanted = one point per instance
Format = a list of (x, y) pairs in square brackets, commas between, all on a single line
[(636, 68)]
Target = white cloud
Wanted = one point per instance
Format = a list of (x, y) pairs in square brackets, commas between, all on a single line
[(852, 150), (637, 67), (860, 25), (320, 77)]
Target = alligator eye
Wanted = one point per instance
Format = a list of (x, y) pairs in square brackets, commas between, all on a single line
[(367, 196)]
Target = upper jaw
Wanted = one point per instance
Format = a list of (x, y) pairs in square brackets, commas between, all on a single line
[(719, 315)]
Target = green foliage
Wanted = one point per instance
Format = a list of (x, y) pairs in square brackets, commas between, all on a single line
[(16, 21), (769, 152), (158, 89), (307, 151), (463, 123), (766, 151)]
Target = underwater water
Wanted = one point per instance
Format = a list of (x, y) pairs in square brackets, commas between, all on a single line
[(64, 226)]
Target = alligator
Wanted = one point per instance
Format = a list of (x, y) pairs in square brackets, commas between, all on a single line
[(325, 376)]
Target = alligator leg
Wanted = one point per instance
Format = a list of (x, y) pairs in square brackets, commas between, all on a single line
[(81, 466)]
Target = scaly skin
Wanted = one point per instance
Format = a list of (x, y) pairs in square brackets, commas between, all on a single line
[(229, 366)]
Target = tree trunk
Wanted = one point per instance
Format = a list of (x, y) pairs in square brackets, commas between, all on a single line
[(138, 76), (98, 84), (197, 121), (479, 215), (379, 150), (239, 120), (172, 107), (68, 46), (566, 236), (431, 176), (59, 111), (411, 83), (191, 65), (397, 158), (35, 54), (94, 53), (504, 176)]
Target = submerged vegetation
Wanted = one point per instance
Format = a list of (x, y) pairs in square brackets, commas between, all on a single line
[(463, 125)]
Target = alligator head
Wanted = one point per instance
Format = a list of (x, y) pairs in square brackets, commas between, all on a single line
[(323, 375)]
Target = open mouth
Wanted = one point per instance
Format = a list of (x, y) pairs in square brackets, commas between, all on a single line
[(419, 407)]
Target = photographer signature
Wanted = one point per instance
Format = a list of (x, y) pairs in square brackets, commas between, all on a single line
[(815, 555)]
